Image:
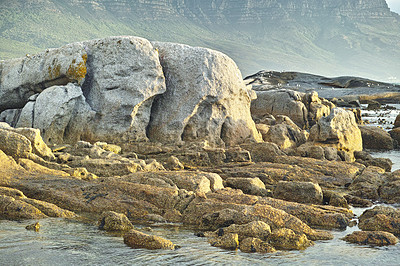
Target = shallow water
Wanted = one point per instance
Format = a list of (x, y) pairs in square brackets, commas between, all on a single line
[(62, 242)]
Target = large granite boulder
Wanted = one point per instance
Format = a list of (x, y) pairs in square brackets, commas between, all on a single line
[(338, 130), (114, 83), (205, 99), (24, 77), (60, 112)]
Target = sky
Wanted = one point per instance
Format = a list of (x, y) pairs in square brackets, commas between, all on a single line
[(394, 5)]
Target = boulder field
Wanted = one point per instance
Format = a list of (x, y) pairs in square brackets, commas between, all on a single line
[(126, 131)]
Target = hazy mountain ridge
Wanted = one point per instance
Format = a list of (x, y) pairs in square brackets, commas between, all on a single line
[(329, 37)]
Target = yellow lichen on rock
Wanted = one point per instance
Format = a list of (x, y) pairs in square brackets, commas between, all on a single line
[(77, 71)]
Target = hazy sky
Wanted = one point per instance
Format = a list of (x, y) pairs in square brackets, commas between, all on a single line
[(394, 5)]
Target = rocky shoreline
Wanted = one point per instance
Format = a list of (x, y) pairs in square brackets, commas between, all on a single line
[(134, 132)]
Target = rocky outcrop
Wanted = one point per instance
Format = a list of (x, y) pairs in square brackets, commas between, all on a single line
[(338, 130), (122, 75), (104, 90), (280, 102), (305, 109), (205, 98)]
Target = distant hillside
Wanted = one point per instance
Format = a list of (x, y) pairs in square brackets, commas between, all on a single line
[(327, 37)]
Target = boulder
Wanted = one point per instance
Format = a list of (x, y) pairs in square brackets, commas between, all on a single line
[(251, 244), (397, 121), (335, 199), (33, 227), (136, 239), (256, 229), (120, 76), (381, 218), (112, 221), (395, 133), (226, 241), (49, 209), (173, 164), (24, 77), (286, 136), (206, 98), (310, 150), (286, 239), (10, 116), (14, 144), (15, 209), (317, 107), (373, 105), (376, 138), (252, 186), (371, 238), (280, 102), (316, 216), (124, 75), (263, 152), (61, 113), (38, 146), (338, 130), (389, 191), (367, 184), (303, 192)]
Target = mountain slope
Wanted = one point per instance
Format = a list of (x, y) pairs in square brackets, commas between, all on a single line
[(328, 37)]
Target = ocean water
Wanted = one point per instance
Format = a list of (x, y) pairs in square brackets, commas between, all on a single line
[(62, 242)]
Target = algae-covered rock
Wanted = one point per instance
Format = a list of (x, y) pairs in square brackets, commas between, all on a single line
[(226, 241), (251, 244), (136, 239), (285, 238)]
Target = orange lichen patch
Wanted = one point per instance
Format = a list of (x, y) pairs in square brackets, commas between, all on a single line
[(77, 71), (54, 72)]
